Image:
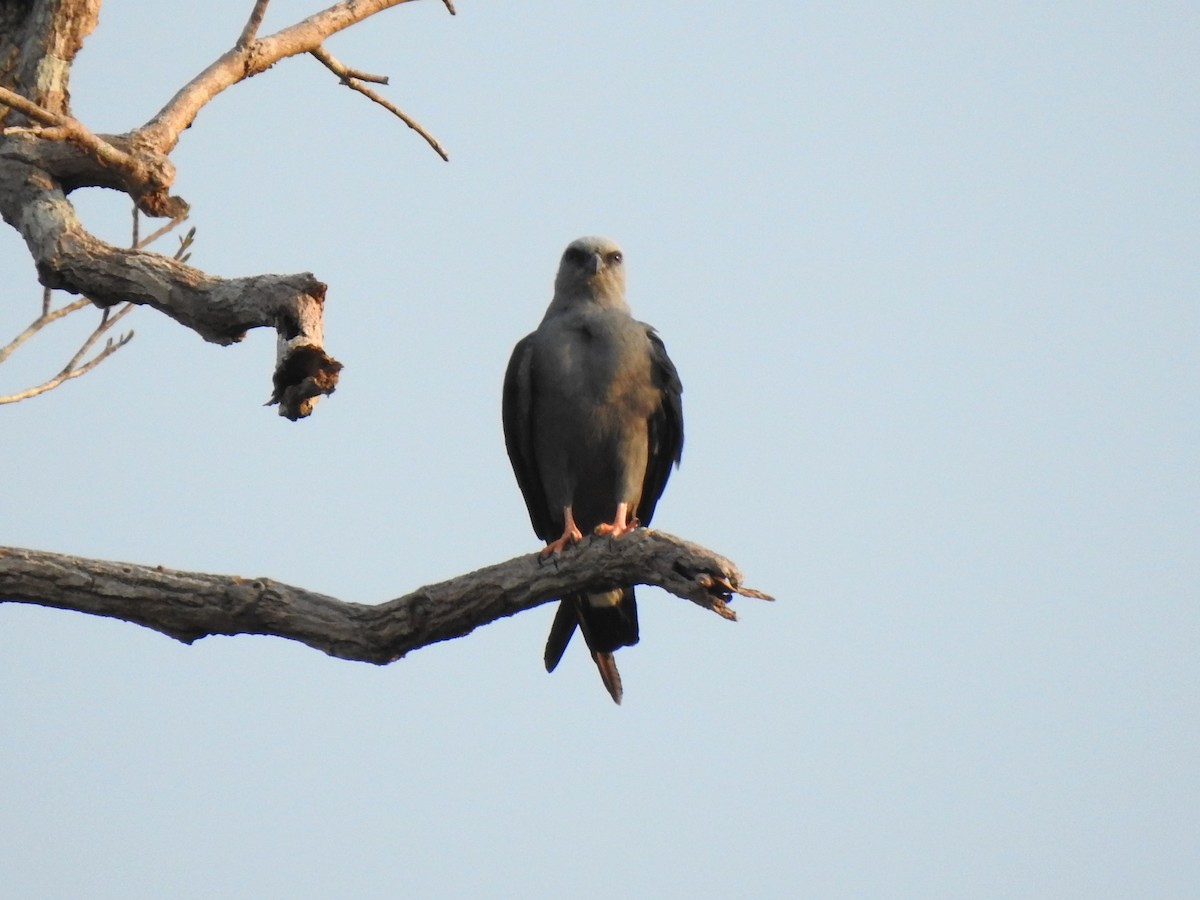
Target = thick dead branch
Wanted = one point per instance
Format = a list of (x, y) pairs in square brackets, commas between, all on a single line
[(188, 605), (145, 176), (45, 153), (220, 310)]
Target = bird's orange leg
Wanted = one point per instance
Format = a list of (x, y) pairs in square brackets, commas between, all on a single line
[(571, 534), (623, 522)]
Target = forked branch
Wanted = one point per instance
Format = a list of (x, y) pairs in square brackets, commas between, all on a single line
[(248, 57), (45, 154), (145, 176), (353, 79), (253, 23), (75, 367)]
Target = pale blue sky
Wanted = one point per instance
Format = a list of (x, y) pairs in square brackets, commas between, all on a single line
[(930, 276)]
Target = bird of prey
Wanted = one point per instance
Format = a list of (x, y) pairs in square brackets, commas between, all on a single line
[(593, 422)]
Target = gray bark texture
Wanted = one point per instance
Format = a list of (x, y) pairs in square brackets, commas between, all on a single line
[(189, 605), (45, 154)]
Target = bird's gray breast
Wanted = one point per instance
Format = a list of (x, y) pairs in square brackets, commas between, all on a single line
[(593, 395)]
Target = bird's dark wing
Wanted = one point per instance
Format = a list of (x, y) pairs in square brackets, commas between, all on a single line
[(517, 415), (666, 427)]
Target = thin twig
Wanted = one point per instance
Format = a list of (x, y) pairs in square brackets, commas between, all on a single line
[(252, 24), (360, 75), (166, 229), (28, 108), (163, 130), (95, 336), (41, 322), (107, 319), (354, 81), (73, 369), (65, 376)]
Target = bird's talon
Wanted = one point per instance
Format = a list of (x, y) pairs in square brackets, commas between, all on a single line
[(608, 528), (558, 546), (622, 523)]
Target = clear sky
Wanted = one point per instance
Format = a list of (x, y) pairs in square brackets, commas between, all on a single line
[(930, 275)]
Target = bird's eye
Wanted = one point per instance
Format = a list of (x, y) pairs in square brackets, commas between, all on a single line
[(615, 257), (575, 256)]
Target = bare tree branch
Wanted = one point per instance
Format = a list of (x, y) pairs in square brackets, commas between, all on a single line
[(46, 318), (352, 78), (219, 310), (63, 127), (348, 72), (38, 43), (42, 162), (73, 369), (45, 154), (253, 23), (148, 176), (27, 108), (188, 605), (162, 132), (140, 243)]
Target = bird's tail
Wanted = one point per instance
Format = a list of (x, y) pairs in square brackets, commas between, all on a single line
[(609, 674), (608, 621), (561, 629)]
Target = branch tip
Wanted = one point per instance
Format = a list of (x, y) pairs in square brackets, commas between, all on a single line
[(303, 376), (353, 79)]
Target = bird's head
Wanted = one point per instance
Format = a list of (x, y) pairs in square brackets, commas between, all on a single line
[(592, 268)]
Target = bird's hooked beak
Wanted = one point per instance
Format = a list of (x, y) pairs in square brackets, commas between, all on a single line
[(593, 264)]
